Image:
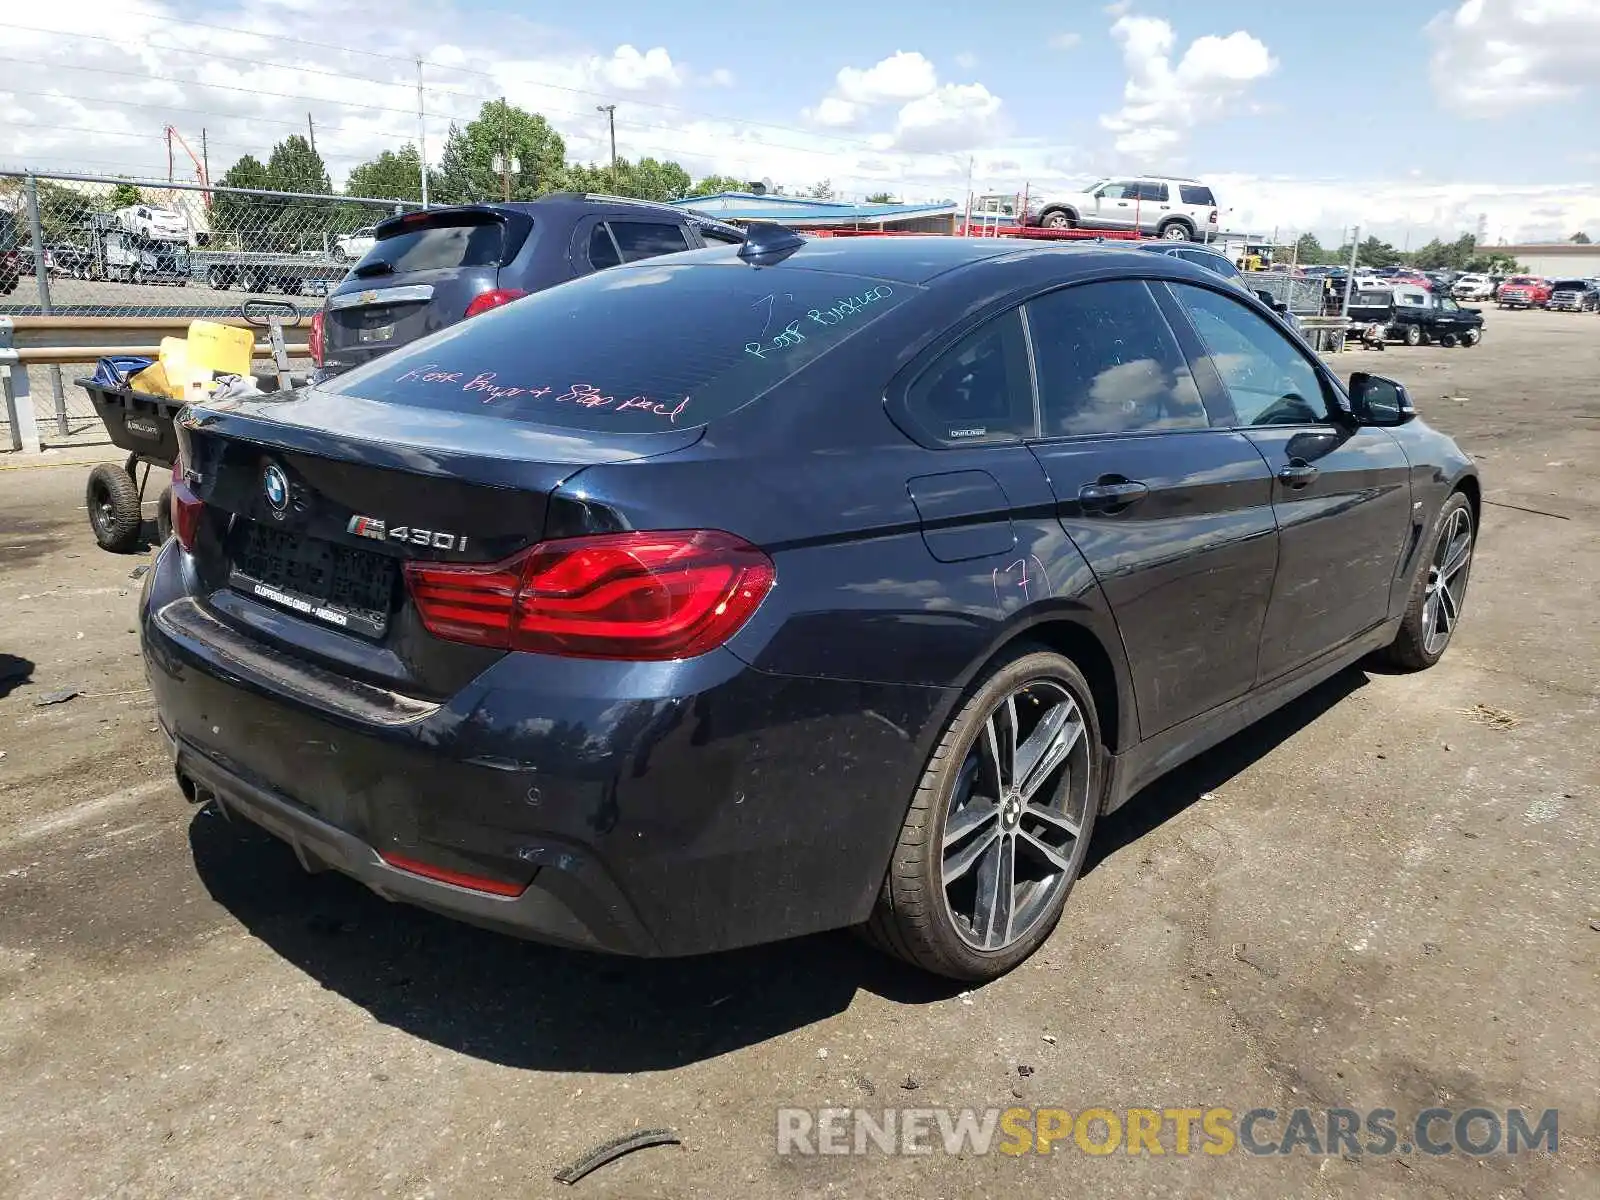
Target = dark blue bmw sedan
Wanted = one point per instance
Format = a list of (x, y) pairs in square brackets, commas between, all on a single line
[(809, 584)]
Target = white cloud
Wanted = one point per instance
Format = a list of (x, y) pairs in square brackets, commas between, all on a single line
[(630, 71), (1065, 41), (931, 117), (835, 113), (955, 116), (1162, 102), (904, 75), (1494, 55)]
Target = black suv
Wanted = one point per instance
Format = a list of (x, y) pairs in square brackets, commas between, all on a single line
[(437, 266)]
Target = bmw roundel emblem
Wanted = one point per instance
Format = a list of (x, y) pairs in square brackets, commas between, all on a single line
[(276, 485)]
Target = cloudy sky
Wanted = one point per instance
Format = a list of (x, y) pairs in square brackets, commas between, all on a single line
[(1414, 119)]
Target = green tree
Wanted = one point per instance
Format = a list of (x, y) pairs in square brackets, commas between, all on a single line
[(1309, 251), (244, 221), (1580, 238), (882, 198), (1375, 253), (822, 190), (647, 179), (295, 167), (712, 184), (466, 165), (393, 175), (124, 195)]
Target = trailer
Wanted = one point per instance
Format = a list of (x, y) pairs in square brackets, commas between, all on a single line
[(120, 255), (266, 271)]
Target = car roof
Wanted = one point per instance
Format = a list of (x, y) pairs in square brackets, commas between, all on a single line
[(918, 259)]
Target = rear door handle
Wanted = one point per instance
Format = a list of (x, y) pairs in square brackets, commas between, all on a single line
[(1109, 495), (1297, 474)]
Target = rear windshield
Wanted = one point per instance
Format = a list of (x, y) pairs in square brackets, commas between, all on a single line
[(462, 243), (1191, 193), (632, 350)]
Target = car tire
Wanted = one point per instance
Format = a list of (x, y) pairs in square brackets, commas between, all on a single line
[(1439, 590), (339, 254), (1175, 231), (1448, 341), (164, 516), (957, 841), (1412, 335), (1471, 337), (114, 512), (1057, 218)]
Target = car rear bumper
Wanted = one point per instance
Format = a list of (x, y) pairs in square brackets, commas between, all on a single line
[(691, 808)]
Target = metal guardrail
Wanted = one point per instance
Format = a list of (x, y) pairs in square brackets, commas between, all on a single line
[(60, 340)]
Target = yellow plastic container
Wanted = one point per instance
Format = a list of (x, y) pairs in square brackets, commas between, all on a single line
[(219, 349)]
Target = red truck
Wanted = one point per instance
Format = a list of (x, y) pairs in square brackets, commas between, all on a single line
[(1523, 291)]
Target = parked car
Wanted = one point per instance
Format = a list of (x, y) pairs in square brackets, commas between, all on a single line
[(1209, 257), (1410, 315), (1523, 291), (1573, 295), (157, 224), (68, 258), (352, 246), (1177, 209), (1473, 287), (434, 267), (10, 258), (749, 592)]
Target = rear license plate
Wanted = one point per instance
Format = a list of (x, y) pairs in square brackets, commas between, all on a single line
[(378, 333), (336, 585)]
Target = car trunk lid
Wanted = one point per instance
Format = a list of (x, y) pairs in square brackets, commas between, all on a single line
[(315, 502)]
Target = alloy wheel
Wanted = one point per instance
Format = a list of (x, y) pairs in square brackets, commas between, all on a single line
[(1012, 829), (1447, 582), (1175, 233)]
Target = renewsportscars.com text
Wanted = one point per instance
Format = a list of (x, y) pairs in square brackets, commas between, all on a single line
[(1159, 1131)]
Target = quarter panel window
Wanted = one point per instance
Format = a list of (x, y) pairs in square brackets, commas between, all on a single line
[(602, 250), (1268, 379), (1108, 362), (979, 390)]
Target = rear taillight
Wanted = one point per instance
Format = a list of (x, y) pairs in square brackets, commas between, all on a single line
[(187, 509), (316, 337), (1212, 219), (493, 299), (641, 596)]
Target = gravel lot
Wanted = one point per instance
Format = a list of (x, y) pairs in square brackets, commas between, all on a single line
[(1387, 895)]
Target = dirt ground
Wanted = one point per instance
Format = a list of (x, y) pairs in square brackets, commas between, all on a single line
[(1387, 895)]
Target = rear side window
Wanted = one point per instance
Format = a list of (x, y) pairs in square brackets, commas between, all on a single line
[(1193, 193), (642, 239), (1211, 262), (477, 243), (1108, 363), (978, 390), (1150, 191), (602, 250), (636, 349)]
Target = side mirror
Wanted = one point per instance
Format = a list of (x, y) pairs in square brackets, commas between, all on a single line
[(1375, 400)]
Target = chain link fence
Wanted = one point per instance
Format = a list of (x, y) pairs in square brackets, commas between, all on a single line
[(94, 246)]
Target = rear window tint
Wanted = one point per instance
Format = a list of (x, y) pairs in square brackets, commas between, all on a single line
[(440, 247), (602, 250), (634, 349), (640, 239), (1192, 193)]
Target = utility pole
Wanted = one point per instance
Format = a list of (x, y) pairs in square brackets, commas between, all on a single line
[(312, 130), (205, 159), (169, 153), (422, 135), (1350, 279), (611, 115)]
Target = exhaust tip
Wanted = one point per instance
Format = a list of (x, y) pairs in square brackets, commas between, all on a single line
[(187, 785)]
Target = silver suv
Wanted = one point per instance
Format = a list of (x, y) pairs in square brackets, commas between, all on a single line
[(1175, 209)]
